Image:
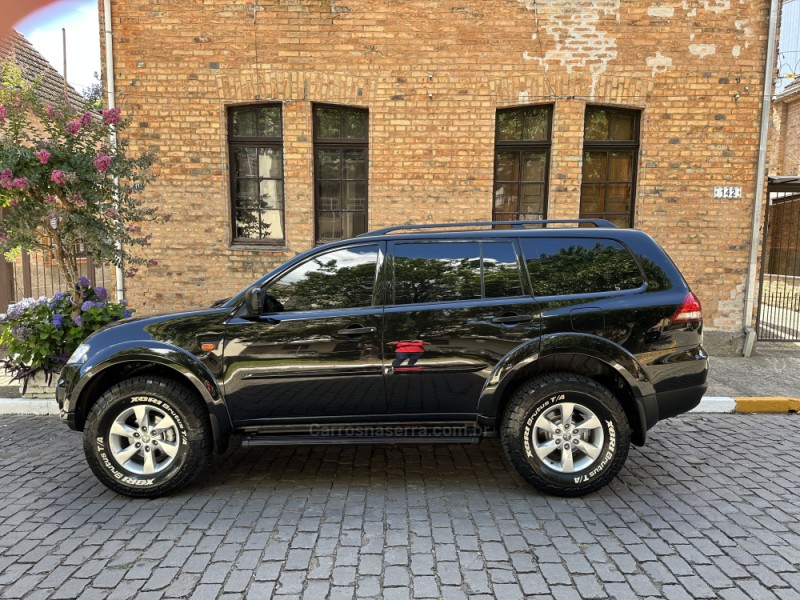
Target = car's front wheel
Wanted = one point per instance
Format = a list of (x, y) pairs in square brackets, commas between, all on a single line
[(565, 434), (147, 436)]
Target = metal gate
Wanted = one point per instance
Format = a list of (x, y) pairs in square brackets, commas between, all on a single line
[(778, 318)]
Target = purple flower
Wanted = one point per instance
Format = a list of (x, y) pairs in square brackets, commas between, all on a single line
[(7, 179), (3, 114), (101, 292), (112, 116), (78, 321), (43, 156), (87, 305), (59, 296), (102, 162), (73, 127), (126, 314), (124, 302), (58, 176), (58, 320), (83, 282), (86, 119)]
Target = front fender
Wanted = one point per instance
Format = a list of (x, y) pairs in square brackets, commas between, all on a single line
[(571, 344), (177, 359)]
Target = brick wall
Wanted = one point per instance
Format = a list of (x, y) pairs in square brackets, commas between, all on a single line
[(785, 143), (432, 74)]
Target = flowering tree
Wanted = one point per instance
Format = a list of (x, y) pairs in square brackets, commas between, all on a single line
[(62, 183)]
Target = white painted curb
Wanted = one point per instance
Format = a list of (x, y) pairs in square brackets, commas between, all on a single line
[(715, 404), (24, 406)]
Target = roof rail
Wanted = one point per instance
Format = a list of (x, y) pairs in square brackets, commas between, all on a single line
[(514, 224)]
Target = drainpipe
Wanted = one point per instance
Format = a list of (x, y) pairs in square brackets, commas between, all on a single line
[(111, 104), (761, 169)]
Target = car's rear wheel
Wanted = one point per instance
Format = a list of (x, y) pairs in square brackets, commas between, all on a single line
[(147, 436), (565, 434)]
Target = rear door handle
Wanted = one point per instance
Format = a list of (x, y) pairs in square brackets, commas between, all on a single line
[(356, 330), (512, 318)]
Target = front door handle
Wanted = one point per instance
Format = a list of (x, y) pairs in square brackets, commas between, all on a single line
[(356, 330), (510, 318)]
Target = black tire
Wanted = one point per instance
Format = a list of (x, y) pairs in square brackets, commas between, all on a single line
[(529, 415), (124, 467)]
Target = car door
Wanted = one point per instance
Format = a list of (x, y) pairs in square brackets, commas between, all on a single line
[(454, 309), (316, 350)]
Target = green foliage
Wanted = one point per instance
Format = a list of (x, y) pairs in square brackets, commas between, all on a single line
[(40, 334), (64, 184)]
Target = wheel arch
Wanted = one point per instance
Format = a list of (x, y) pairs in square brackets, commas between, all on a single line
[(603, 361), (174, 365)]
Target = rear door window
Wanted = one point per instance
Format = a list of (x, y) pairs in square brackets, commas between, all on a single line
[(561, 266)]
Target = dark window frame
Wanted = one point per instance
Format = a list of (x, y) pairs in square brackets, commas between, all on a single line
[(521, 146), (609, 146), (242, 141), (340, 144)]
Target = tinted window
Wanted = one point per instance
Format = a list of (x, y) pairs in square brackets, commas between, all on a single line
[(501, 276), (579, 266), (339, 279), (436, 272)]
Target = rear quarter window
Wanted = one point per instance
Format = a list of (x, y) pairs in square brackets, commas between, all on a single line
[(561, 266)]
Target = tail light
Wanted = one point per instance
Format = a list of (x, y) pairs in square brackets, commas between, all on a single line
[(689, 311)]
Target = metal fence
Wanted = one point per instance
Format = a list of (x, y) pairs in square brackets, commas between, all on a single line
[(778, 317)]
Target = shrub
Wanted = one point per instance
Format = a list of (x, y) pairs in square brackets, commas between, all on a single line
[(41, 334)]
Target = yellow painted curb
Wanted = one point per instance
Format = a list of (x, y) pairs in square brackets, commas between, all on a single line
[(767, 404)]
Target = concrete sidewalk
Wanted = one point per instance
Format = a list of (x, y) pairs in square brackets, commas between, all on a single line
[(768, 381)]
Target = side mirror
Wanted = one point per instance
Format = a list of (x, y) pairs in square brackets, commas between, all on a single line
[(254, 302)]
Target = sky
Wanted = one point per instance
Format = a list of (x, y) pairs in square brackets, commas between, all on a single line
[(80, 18)]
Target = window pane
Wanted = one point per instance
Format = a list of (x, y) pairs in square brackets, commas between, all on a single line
[(532, 199), (592, 198), (618, 198), (436, 272), (329, 225), (272, 224), (330, 195), (596, 125), (621, 166), (619, 220), (329, 123), (246, 162), (244, 122), (355, 164), (509, 125), (269, 121), (533, 166), (329, 166), (340, 279), (507, 166), (270, 162), (506, 197), (536, 124), (355, 125), (501, 275), (355, 195), (271, 194), (594, 166), (248, 224), (621, 126), (559, 266), (247, 193)]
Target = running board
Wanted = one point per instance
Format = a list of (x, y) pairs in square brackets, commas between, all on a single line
[(323, 440)]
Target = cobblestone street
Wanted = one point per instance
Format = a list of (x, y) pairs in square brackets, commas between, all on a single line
[(708, 509)]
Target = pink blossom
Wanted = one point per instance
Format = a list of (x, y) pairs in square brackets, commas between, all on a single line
[(50, 110), (134, 228), (43, 156), (112, 213), (50, 198), (3, 114), (3, 237), (152, 262), (78, 200), (73, 127), (6, 177), (112, 116), (102, 162), (20, 183), (58, 176), (131, 272), (12, 203), (86, 119)]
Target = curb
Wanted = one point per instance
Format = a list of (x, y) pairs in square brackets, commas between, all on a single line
[(709, 404)]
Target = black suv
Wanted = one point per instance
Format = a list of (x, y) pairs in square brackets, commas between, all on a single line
[(570, 342)]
